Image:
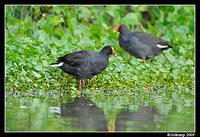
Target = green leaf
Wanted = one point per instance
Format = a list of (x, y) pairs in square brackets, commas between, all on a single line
[(69, 23), (130, 18), (182, 30), (45, 63), (59, 31), (189, 62), (54, 50), (134, 78), (47, 29), (55, 20), (36, 74), (23, 72), (69, 42), (38, 67), (41, 35), (28, 79)]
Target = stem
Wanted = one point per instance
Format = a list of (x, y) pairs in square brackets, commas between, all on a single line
[(141, 26), (28, 13), (13, 10), (22, 12)]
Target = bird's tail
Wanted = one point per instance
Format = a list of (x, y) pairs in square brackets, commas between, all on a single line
[(164, 47), (56, 64)]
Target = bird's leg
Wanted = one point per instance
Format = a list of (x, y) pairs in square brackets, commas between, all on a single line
[(111, 127), (79, 85), (144, 61), (84, 83)]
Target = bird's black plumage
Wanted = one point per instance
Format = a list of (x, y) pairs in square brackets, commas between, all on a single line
[(140, 44), (85, 64)]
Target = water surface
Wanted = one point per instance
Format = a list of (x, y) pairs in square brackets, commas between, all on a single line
[(38, 111)]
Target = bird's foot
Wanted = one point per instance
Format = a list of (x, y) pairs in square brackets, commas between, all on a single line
[(144, 61)]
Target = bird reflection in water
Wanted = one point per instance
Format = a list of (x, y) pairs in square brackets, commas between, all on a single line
[(141, 119), (84, 115)]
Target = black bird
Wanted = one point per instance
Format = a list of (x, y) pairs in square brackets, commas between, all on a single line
[(85, 64), (140, 44)]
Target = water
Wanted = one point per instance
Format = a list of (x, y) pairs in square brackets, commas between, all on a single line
[(37, 111)]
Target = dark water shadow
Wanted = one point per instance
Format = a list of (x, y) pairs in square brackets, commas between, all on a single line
[(84, 114), (143, 118)]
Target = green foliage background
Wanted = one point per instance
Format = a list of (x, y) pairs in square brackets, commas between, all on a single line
[(37, 35)]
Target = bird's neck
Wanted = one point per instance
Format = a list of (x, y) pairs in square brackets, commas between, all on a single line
[(124, 33), (104, 54), (124, 36)]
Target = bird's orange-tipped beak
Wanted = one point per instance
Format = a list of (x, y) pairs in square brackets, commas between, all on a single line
[(117, 28), (113, 52)]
